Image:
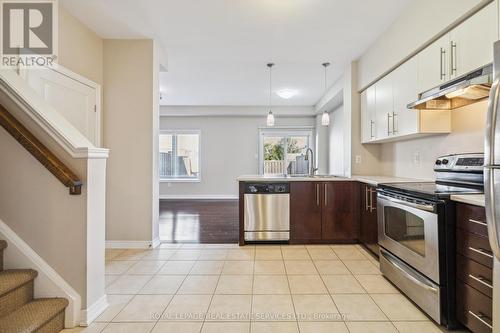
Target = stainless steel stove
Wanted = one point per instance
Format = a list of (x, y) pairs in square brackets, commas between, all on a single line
[(416, 232)]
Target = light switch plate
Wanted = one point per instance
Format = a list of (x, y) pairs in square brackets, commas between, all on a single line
[(416, 158), (358, 159)]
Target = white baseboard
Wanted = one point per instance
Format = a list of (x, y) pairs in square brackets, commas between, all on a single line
[(132, 244), (93, 311), (199, 197), (156, 242), (48, 282)]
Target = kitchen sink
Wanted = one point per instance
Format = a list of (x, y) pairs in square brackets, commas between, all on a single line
[(314, 176)]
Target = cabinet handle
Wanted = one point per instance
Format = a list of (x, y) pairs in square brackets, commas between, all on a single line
[(441, 61), (371, 129), (482, 280), (367, 204), (388, 124), (481, 251), (453, 55), (326, 195), (478, 222), (481, 317), (317, 194), (394, 130)]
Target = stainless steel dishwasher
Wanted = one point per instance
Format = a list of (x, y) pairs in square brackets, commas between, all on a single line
[(267, 212)]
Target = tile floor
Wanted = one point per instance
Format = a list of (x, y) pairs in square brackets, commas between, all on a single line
[(187, 288)]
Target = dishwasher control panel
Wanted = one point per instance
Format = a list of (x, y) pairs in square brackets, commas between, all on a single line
[(267, 188)]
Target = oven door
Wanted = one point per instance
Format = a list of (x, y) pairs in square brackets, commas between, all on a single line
[(409, 230)]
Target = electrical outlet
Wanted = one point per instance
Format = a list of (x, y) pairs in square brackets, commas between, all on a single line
[(358, 159), (416, 158)]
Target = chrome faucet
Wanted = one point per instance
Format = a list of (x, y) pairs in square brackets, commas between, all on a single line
[(312, 168)]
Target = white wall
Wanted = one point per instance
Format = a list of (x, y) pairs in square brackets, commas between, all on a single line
[(229, 148)]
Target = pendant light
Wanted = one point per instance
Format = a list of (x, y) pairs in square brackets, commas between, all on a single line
[(270, 115), (325, 118)]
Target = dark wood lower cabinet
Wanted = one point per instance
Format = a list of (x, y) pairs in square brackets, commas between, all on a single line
[(368, 228), (324, 212)]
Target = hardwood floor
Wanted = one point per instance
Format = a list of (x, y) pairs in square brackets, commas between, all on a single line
[(199, 221)]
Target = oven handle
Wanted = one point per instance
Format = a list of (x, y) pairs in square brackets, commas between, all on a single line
[(408, 275), (429, 208)]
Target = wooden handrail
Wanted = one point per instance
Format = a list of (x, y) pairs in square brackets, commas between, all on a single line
[(40, 152)]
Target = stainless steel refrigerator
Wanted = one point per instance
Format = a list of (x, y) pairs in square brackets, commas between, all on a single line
[(492, 181)]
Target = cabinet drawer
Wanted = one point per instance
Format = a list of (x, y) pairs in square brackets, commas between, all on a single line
[(474, 247), (474, 310), (472, 218), (475, 275)]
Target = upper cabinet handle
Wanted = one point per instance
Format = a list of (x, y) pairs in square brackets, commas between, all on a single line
[(453, 55), (442, 55)]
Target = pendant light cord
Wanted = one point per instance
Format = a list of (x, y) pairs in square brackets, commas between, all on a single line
[(270, 65)]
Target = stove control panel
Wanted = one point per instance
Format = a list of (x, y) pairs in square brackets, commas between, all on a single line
[(460, 163)]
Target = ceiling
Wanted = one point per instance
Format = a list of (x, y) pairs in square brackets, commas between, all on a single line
[(218, 49)]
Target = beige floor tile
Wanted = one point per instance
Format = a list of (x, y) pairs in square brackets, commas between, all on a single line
[(118, 266), (92, 328), (207, 267), (351, 253), (241, 254), (144, 308), (109, 279), (272, 308), (342, 284), (358, 307), (274, 327), (300, 267), (116, 303), (322, 253), (331, 267), (361, 267), (235, 284), (270, 284), (171, 246), (159, 255), (306, 284), (322, 327), (416, 327), (199, 284), (132, 254), (230, 308), (368, 255), (238, 267), (186, 255), (177, 327), (225, 327), (192, 246), (177, 267), (113, 253), (376, 284), (315, 308), (145, 267), (225, 246), (128, 284), (398, 308), (187, 308), (268, 254), (128, 328), (269, 267), (295, 253), (372, 327), (163, 284), (213, 255)]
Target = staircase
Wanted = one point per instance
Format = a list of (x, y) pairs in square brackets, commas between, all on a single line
[(19, 311)]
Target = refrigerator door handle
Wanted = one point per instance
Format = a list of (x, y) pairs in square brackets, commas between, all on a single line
[(491, 117), (489, 196)]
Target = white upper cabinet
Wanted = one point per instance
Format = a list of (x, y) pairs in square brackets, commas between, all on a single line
[(471, 43), (384, 107), (405, 91), (433, 64), (368, 117)]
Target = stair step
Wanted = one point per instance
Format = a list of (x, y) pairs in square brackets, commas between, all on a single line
[(3, 246), (16, 289), (41, 315)]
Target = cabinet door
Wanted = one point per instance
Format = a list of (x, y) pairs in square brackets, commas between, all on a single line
[(368, 219), (433, 64), (305, 210), (340, 211), (405, 91), (471, 43), (384, 107), (368, 115)]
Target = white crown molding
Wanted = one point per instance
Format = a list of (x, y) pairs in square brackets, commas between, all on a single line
[(54, 124), (92, 312), (199, 197), (48, 282)]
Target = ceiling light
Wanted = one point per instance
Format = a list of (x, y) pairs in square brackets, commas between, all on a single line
[(325, 118), (270, 115), (286, 93)]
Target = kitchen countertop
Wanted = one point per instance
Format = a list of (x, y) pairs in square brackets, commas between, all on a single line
[(472, 199), (368, 179)]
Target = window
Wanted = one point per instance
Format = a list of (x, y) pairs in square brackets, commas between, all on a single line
[(180, 155), (283, 151)]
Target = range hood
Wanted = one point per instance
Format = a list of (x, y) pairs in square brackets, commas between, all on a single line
[(467, 89)]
